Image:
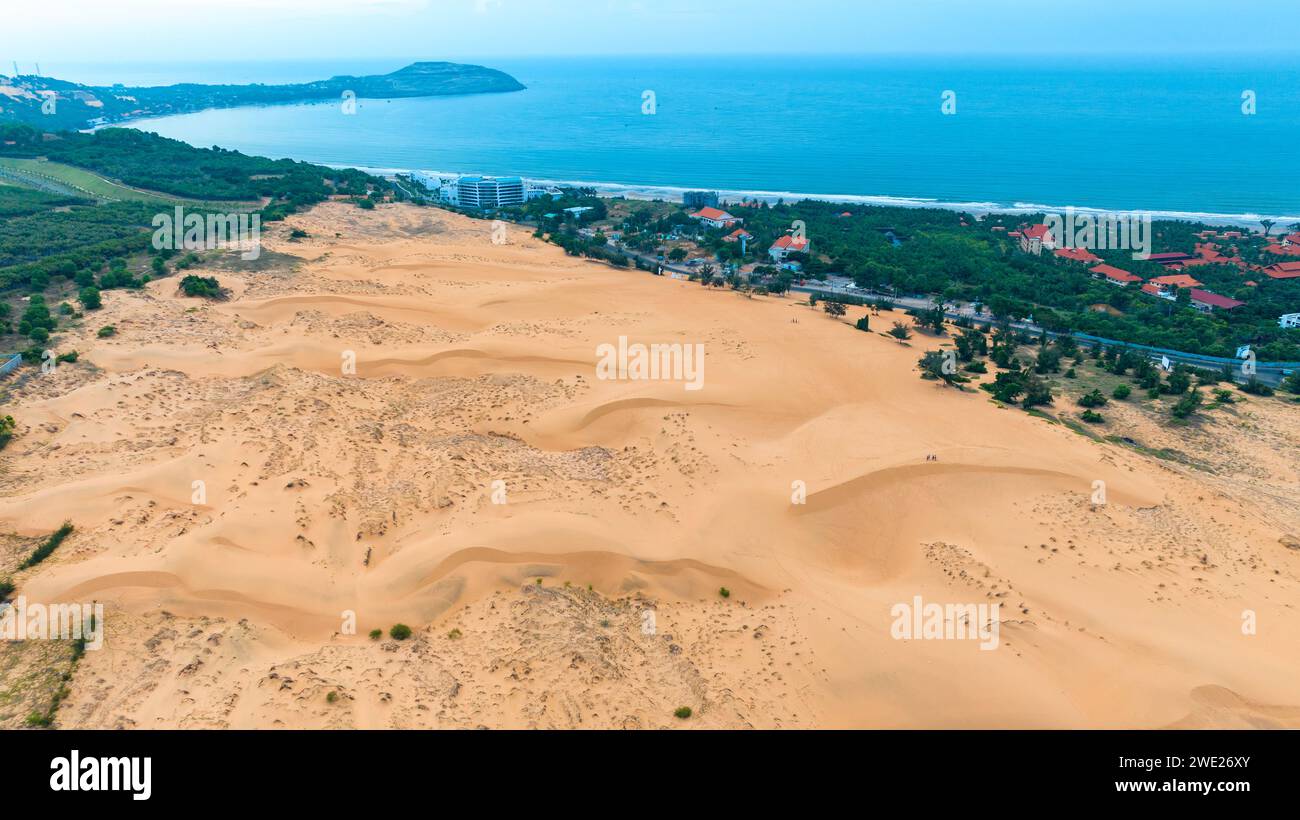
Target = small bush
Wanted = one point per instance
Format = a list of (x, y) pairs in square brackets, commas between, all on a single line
[(1255, 387), (454, 634), (106, 331), (400, 632), (206, 287), (1093, 399), (6, 430), (1122, 392), (376, 634), (331, 697), (683, 712), (1092, 417), (724, 592)]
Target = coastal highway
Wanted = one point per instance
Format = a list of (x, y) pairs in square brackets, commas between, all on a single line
[(1270, 373)]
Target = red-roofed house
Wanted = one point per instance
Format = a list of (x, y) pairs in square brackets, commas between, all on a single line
[(715, 218), (1153, 291), (786, 245), (737, 235), (1176, 280), (1206, 302), (1283, 270), (1169, 258), (1283, 250), (1077, 255), (1036, 237), (1115, 276)]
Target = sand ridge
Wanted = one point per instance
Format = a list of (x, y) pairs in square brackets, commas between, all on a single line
[(328, 492)]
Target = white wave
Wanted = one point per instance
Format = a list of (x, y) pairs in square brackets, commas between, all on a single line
[(734, 196)]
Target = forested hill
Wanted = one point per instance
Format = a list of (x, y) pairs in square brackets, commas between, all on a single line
[(57, 104), (169, 166)]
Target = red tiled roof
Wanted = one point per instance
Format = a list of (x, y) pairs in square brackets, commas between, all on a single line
[(1284, 270), (712, 213), (1151, 289), (1077, 254), (1037, 231), (1116, 274), (1292, 250), (790, 242), (1178, 280), (1214, 300)]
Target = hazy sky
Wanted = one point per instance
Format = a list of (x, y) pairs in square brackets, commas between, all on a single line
[(60, 31)]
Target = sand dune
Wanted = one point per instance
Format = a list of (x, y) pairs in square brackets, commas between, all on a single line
[(474, 451)]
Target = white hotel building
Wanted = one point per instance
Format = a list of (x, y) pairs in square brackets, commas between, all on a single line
[(490, 192)]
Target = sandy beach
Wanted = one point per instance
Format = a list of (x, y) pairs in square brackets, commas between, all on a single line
[(476, 480)]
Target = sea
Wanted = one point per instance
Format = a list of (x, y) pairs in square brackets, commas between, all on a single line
[(1213, 137)]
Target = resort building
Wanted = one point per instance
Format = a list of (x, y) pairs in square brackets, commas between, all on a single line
[(1035, 238), (1083, 255), (786, 245), (1207, 302), (1174, 281), (489, 192), (1170, 259), (700, 199), (715, 218), (1115, 275), (1283, 270), (1289, 320)]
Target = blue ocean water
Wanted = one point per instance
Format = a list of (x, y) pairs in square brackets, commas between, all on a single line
[(1166, 135)]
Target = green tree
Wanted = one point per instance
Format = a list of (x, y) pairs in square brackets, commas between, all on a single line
[(90, 298)]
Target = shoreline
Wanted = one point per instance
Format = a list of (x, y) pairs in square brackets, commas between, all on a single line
[(673, 193)]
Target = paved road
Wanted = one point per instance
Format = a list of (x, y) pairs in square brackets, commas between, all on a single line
[(1270, 373)]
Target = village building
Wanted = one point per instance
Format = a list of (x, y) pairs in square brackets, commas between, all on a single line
[(716, 219), (1035, 238), (786, 245), (1115, 275)]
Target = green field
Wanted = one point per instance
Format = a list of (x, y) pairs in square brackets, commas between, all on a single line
[(59, 178)]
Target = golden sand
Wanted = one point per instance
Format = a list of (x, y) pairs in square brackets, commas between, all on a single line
[(326, 493)]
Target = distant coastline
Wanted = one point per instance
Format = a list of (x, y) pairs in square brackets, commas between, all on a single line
[(674, 193), (54, 105)]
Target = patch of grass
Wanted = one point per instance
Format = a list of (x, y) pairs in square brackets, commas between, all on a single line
[(332, 697), (51, 544), (454, 635), (683, 712)]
